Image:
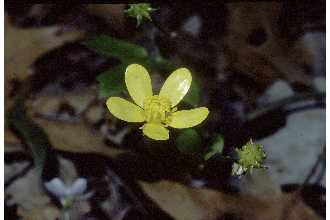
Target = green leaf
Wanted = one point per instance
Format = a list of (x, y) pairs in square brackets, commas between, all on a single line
[(215, 148), (31, 134), (162, 65), (112, 82), (128, 53), (189, 141), (111, 47)]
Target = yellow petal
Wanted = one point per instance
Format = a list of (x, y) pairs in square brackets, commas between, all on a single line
[(125, 110), (188, 118), (138, 83), (155, 131), (176, 86)]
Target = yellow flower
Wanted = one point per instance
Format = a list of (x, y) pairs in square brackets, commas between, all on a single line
[(158, 111)]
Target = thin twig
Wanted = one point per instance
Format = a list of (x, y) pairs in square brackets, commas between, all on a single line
[(297, 195), (319, 160), (286, 101)]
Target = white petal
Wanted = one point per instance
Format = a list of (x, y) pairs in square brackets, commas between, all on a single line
[(56, 187), (78, 187)]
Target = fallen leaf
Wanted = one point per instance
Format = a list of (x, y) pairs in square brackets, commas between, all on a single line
[(20, 54), (10, 138), (270, 57), (48, 212), (187, 203), (50, 104), (76, 137), (23, 189), (22, 47)]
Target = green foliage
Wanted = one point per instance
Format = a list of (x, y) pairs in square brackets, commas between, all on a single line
[(250, 156), (122, 50), (111, 81), (31, 134), (193, 96), (189, 141), (140, 11), (215, 148)]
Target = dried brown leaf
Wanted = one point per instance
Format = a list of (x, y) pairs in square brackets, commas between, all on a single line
[(75, 137), (187, 203)]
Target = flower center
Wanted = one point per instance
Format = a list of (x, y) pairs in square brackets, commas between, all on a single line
[(157, 109), (68, 202)]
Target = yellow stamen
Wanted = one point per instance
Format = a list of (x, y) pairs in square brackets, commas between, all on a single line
[(157, 109)]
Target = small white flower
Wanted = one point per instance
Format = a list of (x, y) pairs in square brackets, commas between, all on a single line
[(68, 194)]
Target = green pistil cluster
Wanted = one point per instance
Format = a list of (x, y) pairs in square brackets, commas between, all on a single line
[(68, 202), (140, 11), (250, 156)]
